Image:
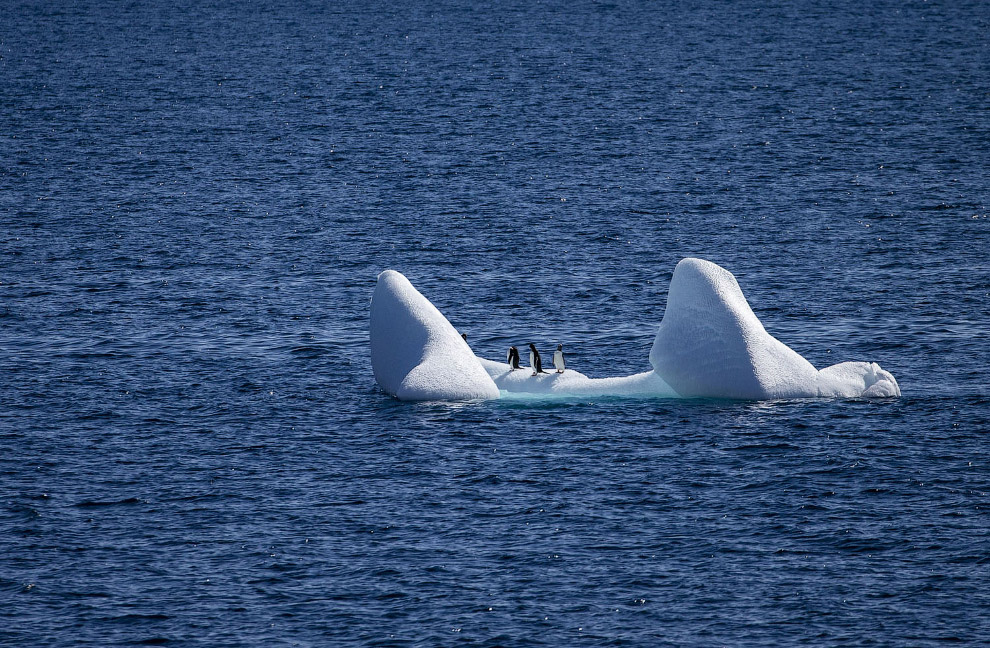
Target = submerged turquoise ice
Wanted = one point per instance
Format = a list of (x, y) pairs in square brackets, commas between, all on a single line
[(710, 344)]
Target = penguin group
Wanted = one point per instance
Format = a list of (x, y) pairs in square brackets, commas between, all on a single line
[(535, 361)]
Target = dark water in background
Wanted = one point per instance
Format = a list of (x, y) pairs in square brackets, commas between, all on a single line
[(195, 202)]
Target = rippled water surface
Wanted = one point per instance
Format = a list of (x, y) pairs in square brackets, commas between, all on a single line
[(195, 202)]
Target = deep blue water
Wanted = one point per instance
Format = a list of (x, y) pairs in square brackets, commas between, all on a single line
[(195, 201)]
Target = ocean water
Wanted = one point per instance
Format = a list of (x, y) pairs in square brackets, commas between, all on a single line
[(196, 199)]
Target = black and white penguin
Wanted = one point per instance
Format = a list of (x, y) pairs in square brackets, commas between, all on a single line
[(534, 359), (513, 358), (558, 358)]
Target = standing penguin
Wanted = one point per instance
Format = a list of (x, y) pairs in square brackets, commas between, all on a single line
[(558, 358), (513, 358), (534, 360)]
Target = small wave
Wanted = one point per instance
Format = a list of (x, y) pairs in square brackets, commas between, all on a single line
[(97, 503)]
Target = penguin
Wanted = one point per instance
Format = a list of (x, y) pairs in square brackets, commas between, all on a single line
[(558, 358), (464, 335), (513, 358), (534, 360)]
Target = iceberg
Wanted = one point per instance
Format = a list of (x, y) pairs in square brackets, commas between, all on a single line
[(416, 354), (710, 344)]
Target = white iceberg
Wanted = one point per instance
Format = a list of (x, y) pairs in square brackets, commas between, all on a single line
[(709, 344), (416, 354)]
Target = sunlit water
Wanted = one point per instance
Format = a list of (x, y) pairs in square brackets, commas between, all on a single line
[(196, 201)]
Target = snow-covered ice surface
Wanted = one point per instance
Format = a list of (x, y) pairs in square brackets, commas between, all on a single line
[(710, 344), (416, 354), (522, 382), (853, 379)]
